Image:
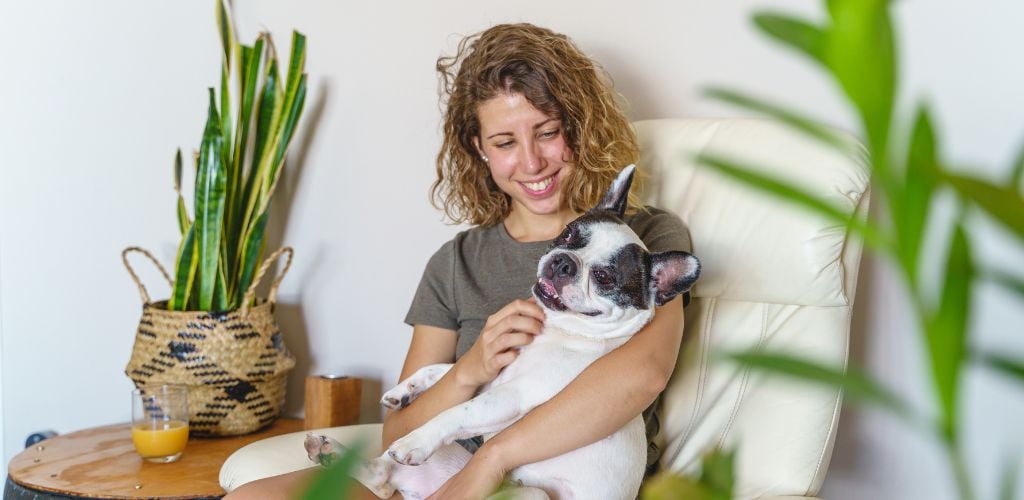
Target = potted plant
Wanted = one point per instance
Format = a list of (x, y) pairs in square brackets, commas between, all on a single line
[(213, 335)]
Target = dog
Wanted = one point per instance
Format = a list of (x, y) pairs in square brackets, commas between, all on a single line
[(598, 285)]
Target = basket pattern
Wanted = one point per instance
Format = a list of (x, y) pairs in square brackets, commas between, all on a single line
[(234, 363)]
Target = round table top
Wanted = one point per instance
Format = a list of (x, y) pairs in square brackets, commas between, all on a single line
[(101, 462)]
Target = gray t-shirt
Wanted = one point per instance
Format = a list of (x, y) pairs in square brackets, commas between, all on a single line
[(482, 269)]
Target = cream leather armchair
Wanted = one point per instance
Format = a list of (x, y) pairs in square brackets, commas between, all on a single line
[(774, 277)]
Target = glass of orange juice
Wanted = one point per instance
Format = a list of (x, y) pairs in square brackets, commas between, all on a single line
[(160, 422)]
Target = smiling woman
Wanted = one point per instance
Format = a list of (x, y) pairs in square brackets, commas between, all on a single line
[(533, 137)]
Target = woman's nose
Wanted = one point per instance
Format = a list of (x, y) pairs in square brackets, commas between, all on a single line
[(533, 160)]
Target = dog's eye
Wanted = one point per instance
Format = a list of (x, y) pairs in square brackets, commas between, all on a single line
[(602, 277), (566, 235)]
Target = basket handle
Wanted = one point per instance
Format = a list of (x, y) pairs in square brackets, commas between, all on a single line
[(272, 297), (135, 277)]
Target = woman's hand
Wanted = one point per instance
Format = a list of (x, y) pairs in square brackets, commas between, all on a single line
[(505, 331)]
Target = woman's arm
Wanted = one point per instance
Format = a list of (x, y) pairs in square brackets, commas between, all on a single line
[(429, 345), (504, 332), (631, 376)]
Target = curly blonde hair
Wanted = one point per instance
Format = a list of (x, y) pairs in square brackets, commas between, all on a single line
[(556, 78)]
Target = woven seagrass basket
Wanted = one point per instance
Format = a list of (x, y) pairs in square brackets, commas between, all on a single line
[(234, 363)]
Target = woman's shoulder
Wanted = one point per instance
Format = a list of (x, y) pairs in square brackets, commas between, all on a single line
[(472, 239), (661, 230)]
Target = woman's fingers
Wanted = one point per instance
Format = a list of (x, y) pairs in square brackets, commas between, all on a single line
[(505, 358), (527, 308), (511, 340)]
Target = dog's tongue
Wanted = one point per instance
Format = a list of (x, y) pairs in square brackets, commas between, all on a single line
[(548, 287)]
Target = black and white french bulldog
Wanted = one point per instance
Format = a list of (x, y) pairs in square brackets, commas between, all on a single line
[(598, 285)]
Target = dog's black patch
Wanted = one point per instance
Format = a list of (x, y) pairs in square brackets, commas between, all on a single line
[(624, 279), (573, 237)]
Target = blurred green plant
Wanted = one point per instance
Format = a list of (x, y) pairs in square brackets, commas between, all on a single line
[(715, 481), (855, 46), (335, 482), (240, 159)]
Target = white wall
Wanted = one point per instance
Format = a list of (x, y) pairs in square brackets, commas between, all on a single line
[(98, 95)]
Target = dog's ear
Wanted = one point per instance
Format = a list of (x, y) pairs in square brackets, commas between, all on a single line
[(672, 273), (618, 193)]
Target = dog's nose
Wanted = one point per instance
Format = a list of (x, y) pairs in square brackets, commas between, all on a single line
[(562, 266)]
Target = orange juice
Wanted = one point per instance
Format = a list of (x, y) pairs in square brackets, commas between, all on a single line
[(160, 439)]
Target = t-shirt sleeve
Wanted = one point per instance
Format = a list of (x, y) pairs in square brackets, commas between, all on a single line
[(434, 302)]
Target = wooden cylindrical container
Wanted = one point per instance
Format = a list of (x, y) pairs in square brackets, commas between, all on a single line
[(332, 400)]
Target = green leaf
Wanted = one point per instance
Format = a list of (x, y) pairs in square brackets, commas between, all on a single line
[(1001, 203), (1006, 365), (1009, 478), (716, 481), (1006, 280), (290, 119), (781, 189), (946, 329), (183, 221), (1017, 173), (800, 35), (910, 211), (335, 481), (856, 387), (225, 29), (860, 53), (209, 208), (800, 123), (252, 254), (184, 272)]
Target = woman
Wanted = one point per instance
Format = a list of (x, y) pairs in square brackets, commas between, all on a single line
[(532, 138)]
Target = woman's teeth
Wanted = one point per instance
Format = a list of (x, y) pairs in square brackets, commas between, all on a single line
[(539, 186)]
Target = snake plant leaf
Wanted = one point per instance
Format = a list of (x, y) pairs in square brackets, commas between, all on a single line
[(795, 33), (1002, 203), (209, 198), (183, 220), (856, 386), (185, 271), (910, 210), (220, 292), (290, 120), (252, 254), (269, 112), (861, 54), (946, 329), (335, 481), (798, 122), (747, 175)]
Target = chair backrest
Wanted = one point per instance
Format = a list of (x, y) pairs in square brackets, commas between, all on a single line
[(774, 277)]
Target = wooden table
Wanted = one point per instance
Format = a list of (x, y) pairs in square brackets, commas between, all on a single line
[(101, 463)]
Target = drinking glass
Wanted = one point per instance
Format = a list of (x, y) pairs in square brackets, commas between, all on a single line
[(160, 422)]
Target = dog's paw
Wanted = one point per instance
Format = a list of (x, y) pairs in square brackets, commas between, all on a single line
[(322, 449), (413, 449), (399, 397)]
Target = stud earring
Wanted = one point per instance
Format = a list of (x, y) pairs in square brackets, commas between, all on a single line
[(485, 158)]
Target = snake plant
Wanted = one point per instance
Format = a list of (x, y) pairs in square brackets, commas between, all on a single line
[(239, 162)]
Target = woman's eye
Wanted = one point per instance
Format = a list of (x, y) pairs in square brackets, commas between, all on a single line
[(503, 145), (549, 134), (602, 277)]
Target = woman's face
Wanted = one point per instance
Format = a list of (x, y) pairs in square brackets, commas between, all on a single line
[(526, 153)]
